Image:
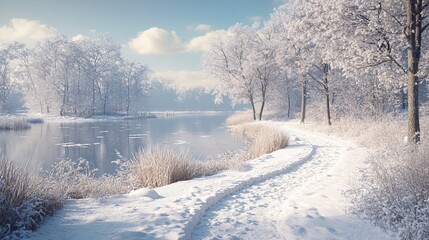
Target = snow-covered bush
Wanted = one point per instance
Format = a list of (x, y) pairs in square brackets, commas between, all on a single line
[(263, 139), (393, 192), (24, 201)]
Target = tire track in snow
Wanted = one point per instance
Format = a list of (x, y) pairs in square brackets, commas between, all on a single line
[(253, 212)]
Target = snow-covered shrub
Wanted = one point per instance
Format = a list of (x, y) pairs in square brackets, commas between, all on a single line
[(393, 192), (239, 118), (24, 201), (263, 139)]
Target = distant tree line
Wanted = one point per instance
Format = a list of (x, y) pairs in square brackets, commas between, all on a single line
[(64, 77)]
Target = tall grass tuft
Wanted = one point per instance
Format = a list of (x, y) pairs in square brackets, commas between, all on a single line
[(239, 118), (24, 201), (156, 167), (13, 123), (263, 139)]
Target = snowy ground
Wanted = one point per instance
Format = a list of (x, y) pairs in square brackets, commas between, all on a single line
[(293, 193)]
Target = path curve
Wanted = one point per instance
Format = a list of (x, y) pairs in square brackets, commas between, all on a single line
[(282, 207)]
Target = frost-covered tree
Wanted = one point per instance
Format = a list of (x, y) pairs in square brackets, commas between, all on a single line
[(65, 77), (228, 61), (390, 36), (244, 62), (263, 59), (9, 71), (135, 81), (103, 58), (308, 59)]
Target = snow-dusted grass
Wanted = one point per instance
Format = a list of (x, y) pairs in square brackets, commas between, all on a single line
[(24, 201), (156, 167), (263, 138), (368, 132), (393, 192), (70, 179), (239, 118), (13, 123)]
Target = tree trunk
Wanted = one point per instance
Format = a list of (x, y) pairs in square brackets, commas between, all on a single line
[(252, 103), (328, 109), (288, 105), (264, 91), (262, 109), (303, 98), (414, 8), (326, 87)]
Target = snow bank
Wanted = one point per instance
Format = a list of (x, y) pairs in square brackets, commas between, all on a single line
[(314, 209)]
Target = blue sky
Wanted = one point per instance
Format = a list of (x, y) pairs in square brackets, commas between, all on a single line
[(159, 33)]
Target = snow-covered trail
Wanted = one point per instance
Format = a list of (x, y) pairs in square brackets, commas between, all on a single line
[(293, 193), (303, 203)]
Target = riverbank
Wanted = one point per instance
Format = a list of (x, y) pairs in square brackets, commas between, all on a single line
[(186, 209), (120, 117)]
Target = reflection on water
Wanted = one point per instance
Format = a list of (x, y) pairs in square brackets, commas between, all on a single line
[(98, 142)]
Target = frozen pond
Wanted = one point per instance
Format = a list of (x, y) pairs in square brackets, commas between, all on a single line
[(98, 141)]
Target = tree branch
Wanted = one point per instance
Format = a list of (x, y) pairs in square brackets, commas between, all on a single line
[(425, 27), (394, 17), (321, 83)]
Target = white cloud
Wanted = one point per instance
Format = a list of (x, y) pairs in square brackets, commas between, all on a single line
[(160, 41), (79, 37), (186, 79), (26, 31), (203, 28), (156, 41), (203, 43)]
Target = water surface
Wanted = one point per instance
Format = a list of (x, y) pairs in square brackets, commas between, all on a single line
[(100, 141)]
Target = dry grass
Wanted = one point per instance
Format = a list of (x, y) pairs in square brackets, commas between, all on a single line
[(156, 167), (13, 123), (239, 118), (24, 200), (76, 179), (263, 139)]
